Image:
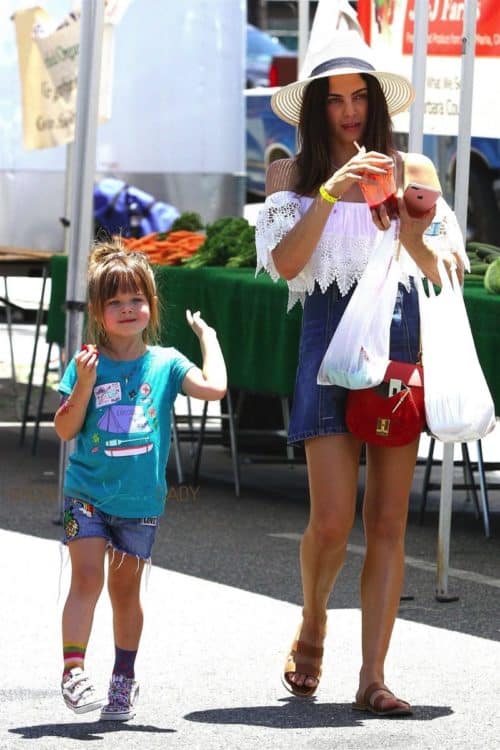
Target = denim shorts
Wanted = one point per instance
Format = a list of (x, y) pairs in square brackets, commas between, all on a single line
[(131, 536), (320, 409)]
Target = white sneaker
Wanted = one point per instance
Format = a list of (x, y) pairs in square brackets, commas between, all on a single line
[(79, 693), (123, 694)]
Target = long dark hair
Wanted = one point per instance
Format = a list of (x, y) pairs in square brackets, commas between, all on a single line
[(313, 159)]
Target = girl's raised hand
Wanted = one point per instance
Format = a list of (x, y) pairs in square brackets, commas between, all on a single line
[(198, 325), (86, 364)]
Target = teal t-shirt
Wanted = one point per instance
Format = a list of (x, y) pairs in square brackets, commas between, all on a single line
[(122, 449)]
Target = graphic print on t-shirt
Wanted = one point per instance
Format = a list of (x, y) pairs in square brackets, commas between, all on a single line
[(107, 393), (129, 422)]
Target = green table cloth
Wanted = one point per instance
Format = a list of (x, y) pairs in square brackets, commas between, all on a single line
[(483, 310), (258, 338), (56, 318)]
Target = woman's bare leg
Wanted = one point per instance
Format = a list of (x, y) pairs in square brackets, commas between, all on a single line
[(332, 464), (389, 476)]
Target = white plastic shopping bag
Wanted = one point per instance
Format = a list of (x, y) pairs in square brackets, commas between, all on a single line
[(458, 403), (358, 353)]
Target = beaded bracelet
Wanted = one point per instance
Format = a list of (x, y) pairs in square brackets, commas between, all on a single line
[(326, 195)]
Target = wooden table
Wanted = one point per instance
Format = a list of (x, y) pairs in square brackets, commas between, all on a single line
[(23, 261)]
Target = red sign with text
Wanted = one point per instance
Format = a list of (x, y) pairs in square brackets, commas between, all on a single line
[(446, 26)]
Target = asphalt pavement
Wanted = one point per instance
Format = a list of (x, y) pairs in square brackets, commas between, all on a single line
[(222, 603)]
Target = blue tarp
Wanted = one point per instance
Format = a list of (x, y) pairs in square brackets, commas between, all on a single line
[(123, 209)]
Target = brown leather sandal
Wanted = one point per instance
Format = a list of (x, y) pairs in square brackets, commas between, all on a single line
[(299, 660), (373, 703)]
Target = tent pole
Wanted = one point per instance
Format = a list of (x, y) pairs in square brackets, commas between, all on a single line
[(303, 23), (461, 202), (418, 73), (465, 119), (63, 446), (81, 184)]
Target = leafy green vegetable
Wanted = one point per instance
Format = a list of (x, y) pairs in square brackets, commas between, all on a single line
[(244, 254), (189, 220), (230, 238)]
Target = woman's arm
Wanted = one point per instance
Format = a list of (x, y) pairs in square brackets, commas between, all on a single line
[(70, 416), (209, 383), (292, 253)]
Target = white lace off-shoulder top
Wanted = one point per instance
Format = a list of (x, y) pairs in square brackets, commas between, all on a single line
[(342, 252)]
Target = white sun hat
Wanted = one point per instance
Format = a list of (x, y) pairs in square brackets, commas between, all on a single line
[(345, 53)]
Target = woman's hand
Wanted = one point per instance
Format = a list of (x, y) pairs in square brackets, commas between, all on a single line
[(411, 235), (411, 228), (453, 262), (358, 169)]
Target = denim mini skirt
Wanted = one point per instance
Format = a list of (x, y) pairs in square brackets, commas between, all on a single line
[(320, 409)]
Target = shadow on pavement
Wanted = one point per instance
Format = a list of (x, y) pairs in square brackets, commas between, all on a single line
[(89, 731), (295, 713)]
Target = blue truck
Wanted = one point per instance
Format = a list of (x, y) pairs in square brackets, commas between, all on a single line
[(267, 138)]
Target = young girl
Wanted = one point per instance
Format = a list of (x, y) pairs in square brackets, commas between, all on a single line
[(118, 394)]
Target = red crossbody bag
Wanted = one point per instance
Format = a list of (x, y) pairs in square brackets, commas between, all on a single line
[(392, 413)]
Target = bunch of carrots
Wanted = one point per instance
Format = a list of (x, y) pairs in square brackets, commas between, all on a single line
[(166, 248)]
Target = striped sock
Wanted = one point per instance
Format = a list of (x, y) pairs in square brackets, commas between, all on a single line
[(124, 662), (74, 656)]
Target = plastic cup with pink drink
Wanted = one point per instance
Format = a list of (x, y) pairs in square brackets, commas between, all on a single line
[(381, 190)]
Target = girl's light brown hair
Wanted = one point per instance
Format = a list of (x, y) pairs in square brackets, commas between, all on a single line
[(113, 270)]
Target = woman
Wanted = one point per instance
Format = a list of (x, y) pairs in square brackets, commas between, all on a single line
[(316, 231)]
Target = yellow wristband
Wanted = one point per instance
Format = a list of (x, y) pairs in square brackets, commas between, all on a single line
[(326, 195)]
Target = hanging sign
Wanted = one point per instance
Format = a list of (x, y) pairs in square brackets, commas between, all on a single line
[(391, 36), (48, 68)]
